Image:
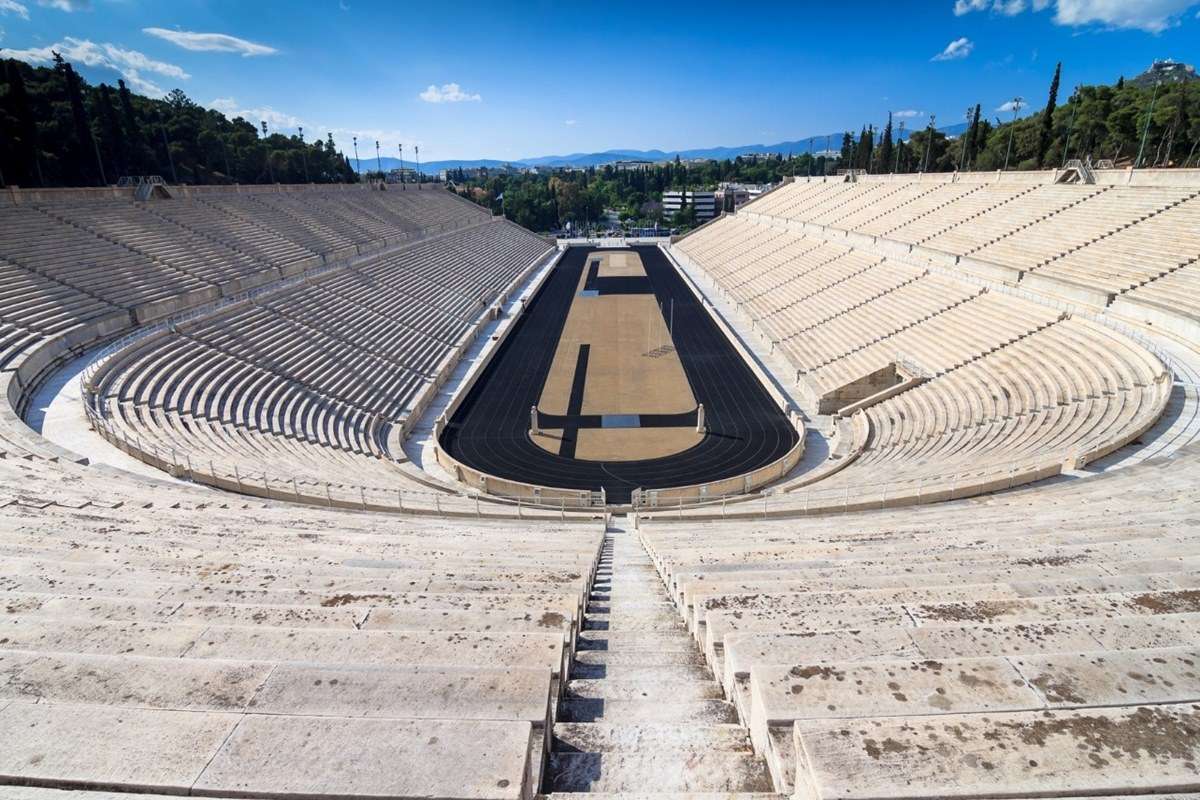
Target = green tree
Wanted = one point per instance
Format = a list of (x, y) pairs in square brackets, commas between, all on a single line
[(1046, 131)]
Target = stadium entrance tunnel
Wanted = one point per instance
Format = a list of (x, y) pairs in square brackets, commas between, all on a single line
[(616, 378)]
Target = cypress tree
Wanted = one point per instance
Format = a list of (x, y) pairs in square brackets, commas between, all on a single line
[(111, 128), (80, 158), (135, 142), (885, 147), (30, 151), (847, 158), (1047, 127)]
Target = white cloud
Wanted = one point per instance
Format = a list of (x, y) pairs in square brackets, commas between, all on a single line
[(129, 63), (67, 5), (1152, 16), (13, 7), (448, 93), (274, 119), (959, 48), (1015, 104), (1008, 8), (211, 42), (570, 123), (908, 114)]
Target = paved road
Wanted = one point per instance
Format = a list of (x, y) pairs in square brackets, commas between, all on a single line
[(490, 429)]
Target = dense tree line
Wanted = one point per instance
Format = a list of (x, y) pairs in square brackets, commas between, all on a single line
[(56, 130), (551, 201), (1117, 123)]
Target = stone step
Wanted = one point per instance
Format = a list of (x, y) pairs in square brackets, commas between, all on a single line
[(1127, 750), (649, 691), (707, 712), (227, 754), (634, 672), (604, 737), (622, 796), (647, 620), (642, 658), (714, 771), (635, 640)]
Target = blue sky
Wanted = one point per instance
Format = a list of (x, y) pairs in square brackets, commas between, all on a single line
[(512, 80)]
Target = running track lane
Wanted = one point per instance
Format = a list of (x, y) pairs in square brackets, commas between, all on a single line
[(490, 430)]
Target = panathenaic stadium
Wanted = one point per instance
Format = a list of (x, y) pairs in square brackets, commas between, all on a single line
[(877, 488)]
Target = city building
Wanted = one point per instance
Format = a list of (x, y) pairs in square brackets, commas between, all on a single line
[(705, 203), (732, 196)]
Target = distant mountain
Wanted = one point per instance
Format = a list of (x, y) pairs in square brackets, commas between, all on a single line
[(816, 144)]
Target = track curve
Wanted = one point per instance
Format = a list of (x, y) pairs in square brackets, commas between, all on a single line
[(489, 431)]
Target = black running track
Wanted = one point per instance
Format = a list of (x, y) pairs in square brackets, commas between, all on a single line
[(490, 430)]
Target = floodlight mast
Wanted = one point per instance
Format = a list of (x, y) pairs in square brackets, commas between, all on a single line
[(1146, 127), (402, 186), (417, 147), (270, 167), (962, 157), (303, 154), (357, 163), (928, 141), (1016, 106), (1071, 126), (378, 162)]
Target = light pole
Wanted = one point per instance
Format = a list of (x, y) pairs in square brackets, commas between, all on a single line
[(357, 163), (378, 163), (402, 181), (417, 147), (1016, 106), (962, 155), (928, 141), (1071, 124), (1146, 127), (270, 167), (162, 128), (303, 155)]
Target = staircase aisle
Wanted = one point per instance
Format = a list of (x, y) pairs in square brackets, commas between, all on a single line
[(642, 714)]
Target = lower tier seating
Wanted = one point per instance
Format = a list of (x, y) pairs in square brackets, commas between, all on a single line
[(1001, 645)]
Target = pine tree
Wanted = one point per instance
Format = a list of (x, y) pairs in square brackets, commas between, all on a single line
[(847, 158), (1047, 126)]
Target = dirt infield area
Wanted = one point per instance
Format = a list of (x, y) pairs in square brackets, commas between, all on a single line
[(616, 346)]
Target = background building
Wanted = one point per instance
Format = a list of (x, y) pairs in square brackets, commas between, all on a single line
[(705, 203)]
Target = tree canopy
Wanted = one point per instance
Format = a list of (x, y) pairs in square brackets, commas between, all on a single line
[(57, 130)]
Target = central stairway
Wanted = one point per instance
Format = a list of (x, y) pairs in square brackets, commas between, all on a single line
[(642, 714)]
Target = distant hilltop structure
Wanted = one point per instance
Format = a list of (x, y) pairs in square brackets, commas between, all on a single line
[(1166, 71)]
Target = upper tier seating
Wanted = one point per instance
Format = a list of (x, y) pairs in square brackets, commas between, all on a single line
[(310, 380), (1010, 388)]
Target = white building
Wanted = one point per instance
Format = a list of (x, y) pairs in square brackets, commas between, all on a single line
[(732, 196), (705, 203)]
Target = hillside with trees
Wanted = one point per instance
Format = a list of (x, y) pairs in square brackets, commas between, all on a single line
[(57, 130)]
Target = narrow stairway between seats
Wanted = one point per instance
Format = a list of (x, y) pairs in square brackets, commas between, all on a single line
[(642, 713)]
